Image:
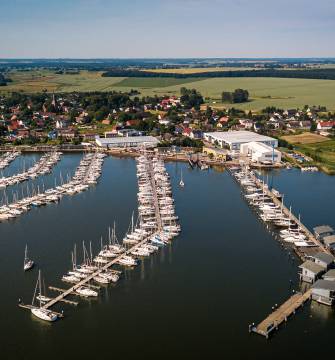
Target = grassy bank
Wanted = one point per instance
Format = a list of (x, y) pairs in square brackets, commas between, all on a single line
[(322, 152)]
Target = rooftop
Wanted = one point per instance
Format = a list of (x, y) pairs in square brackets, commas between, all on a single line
[(311, 266), (238, 136), (322, 229), (330, 239), (330, 274), (324, 257), (324, 284), (127, 139)]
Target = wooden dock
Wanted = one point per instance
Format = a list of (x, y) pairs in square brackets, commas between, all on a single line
[(84, 282), (281, 314)]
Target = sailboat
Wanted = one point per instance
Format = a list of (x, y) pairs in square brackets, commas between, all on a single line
[(181, 182), (27, 264), (40, 312)]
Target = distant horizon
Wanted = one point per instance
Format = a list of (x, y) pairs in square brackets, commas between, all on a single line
[(173, 58)]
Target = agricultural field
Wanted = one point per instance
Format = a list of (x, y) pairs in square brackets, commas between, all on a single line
[(282, 93), (305, 138), (190, 70), (323, 152)]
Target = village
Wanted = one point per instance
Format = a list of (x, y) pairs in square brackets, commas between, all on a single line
[(123, 120)]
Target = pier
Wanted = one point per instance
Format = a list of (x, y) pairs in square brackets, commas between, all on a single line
[(85, 281), (281, 314)]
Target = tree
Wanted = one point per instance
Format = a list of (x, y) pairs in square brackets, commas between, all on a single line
[(227, 97), (240, 96), (313, 126)]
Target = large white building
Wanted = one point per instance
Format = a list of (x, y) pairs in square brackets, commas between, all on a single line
[(128, 141), (260, 152), (234, 139)]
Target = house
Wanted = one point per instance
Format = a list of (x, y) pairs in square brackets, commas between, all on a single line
[(62, 124), (187, 131), (133, 122), (323, 259), (67, 133), (196, 134), (310, 271), (306, 124), (89, 137), (325, 125), (322, 231), (329, 241), (323, 291), (329, 275), (23, 133)]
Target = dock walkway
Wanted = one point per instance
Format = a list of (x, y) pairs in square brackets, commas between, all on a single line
[(83, 282), (281, 314)]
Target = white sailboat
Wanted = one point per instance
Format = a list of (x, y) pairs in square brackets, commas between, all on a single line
[(40, 312), (181, 182), (27, 264)]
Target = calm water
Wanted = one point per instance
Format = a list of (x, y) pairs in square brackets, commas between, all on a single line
[(195, 297)]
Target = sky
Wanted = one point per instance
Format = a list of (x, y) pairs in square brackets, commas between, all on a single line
[(166, 28)]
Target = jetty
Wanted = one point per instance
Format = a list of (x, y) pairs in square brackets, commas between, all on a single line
[(281, 314), (271, 209)]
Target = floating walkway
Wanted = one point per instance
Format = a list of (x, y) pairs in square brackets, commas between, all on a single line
[(281, 314)]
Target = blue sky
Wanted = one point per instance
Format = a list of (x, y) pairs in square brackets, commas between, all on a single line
[(169, 28)]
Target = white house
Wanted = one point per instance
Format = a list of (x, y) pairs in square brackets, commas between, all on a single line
[(323, 291), (310, 271)]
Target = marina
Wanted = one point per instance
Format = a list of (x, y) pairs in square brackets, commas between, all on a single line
[(154, 197), (163, 289)]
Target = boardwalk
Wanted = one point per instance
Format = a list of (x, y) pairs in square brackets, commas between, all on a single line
[(281, 314)]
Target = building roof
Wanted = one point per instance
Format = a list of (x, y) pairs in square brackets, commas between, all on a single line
[(324, 284), (259, 147), (323, 229), (127, 139), (324, 257), (330, 274), (238, 136), (329, 240), (311, 266)]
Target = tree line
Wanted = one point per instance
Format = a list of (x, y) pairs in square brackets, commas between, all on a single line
[(327, 74), (235, 97)]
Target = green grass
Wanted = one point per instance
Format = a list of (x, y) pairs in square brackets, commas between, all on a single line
[(282, 93), (323, 153), (151, 83)]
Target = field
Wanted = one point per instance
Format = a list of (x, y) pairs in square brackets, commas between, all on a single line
[(190, 70), (323, 152), (305, 138), (282, 93)]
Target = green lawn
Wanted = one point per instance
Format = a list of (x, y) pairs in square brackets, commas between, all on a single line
[(283, 93), (152, 83), (323, 153)]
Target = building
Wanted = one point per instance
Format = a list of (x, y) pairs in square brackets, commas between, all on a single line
[(325, 125), (323, 291), (329, 241), (234, 139), (323, 259), (127, 141), (310, 271), (329, 275), (260, 152), (322, 231)]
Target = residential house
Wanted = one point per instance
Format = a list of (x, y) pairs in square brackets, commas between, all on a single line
[(329, 241), (329, 275), (67, 133), (322, 231), (325, 125), (323, 291), (310, 271), (305, 124), (323, 259)]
